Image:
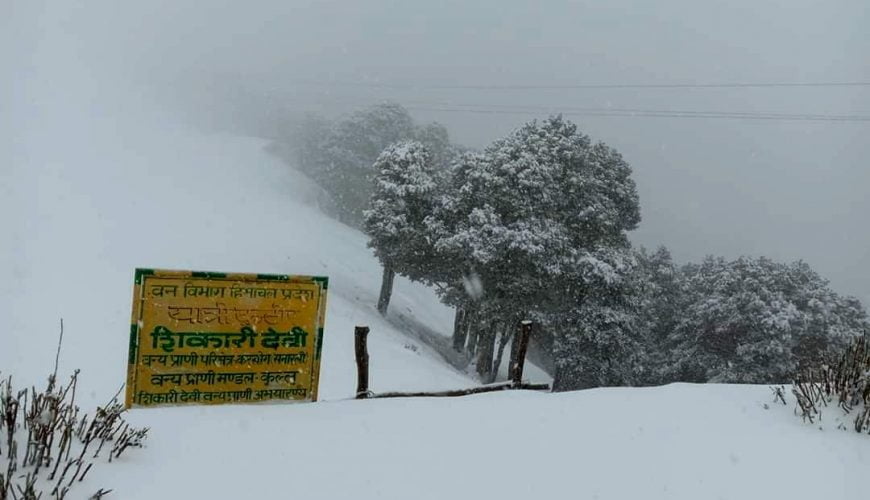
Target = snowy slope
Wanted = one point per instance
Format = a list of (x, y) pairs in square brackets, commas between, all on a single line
[(96, 179), (187, 201)]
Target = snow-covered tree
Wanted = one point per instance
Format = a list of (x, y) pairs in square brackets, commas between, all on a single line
[(536, 219), (404, 193), (339, 155), (756, 321), (351, 149), (599, 341), (435, 138), (657, 285)]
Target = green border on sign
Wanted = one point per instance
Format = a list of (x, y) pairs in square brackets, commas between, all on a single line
[(141, 274)]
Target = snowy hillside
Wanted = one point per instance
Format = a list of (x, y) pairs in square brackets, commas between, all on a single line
[(190, 202)]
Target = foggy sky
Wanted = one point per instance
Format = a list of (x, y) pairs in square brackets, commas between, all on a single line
[(788, 190)]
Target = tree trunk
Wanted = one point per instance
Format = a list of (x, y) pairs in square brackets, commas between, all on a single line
[(472, 331), (485, 349), (460, 330), (386, 289), (513, 354), (506, 335)]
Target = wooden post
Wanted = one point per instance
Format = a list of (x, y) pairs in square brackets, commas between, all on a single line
[(362, 362), (516, 368)]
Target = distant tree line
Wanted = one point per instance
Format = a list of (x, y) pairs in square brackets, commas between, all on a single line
[(339, 154), (536, 226)]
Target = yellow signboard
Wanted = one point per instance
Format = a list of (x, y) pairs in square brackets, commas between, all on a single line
[(212, 338)]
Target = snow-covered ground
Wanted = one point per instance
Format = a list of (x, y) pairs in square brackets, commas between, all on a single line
[(676, 442)]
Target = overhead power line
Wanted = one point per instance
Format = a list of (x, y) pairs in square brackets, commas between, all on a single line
[(609, 111), (631, 111), (713, 85), (644, 113)]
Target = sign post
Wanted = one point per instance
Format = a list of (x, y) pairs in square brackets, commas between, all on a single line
[(214, 338)]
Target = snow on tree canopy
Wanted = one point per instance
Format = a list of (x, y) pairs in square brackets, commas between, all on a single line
[(756, 320), (541, 217), (536, 209), (403, 196)]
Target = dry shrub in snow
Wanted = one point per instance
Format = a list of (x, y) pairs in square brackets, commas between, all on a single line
[(47, 444), (845, 385)]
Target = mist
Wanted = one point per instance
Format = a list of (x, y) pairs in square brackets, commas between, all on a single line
[(79, 82)]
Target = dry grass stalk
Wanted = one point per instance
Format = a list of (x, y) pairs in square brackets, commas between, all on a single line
[(847, 384), (44, 438)]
